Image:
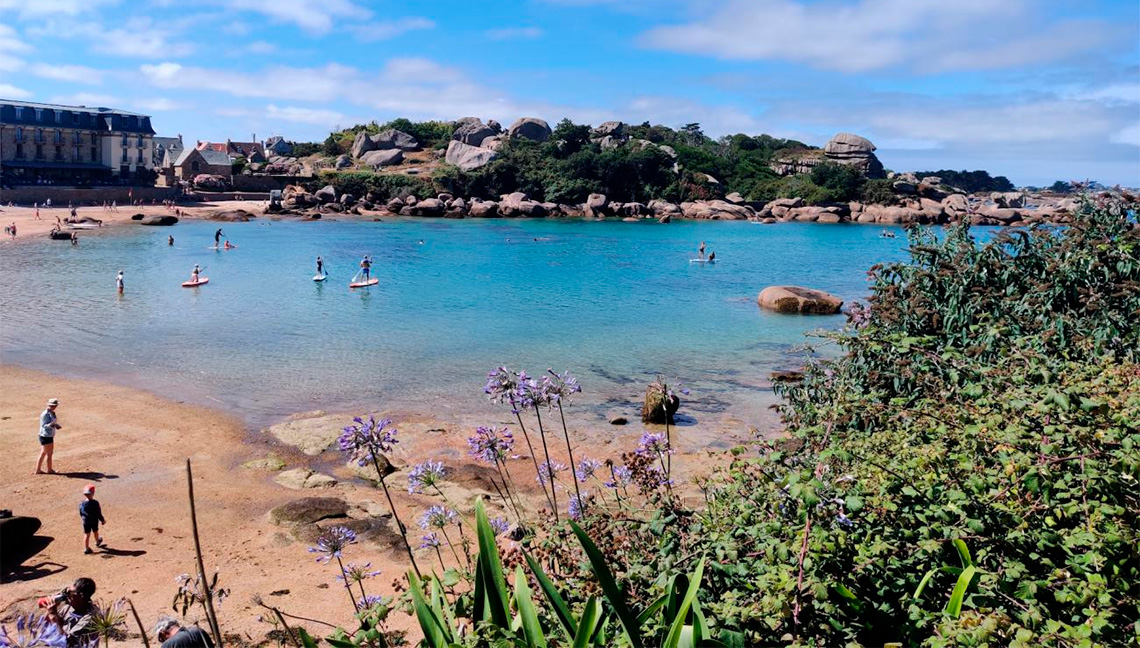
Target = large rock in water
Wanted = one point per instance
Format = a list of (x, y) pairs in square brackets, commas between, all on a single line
[(468, 157), (159, 219), (796, 299), (531, 128), (656, 408)]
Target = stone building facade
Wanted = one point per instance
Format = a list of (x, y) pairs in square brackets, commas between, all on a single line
[(73, 145)]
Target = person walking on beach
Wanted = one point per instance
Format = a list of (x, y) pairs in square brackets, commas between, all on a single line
[(49, 423), (119, 282), (12, 231), (172, 634), (701, 252), (366, 268), (91, 514), (218, 237)]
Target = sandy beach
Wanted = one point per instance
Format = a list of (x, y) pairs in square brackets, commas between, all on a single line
[(30, 227), (133, 445)]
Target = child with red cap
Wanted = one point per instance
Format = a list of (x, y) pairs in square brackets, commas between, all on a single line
[(92, 515)]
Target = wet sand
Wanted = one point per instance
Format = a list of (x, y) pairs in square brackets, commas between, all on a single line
[(29, 227)]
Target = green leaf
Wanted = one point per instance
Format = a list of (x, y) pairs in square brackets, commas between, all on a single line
[(561, 610), (673, 640), (963, 552), (853, 503), (609, 586), (532, 629), (435, 636), (307, 640), (494, 585), (925, 580), (954, 605), (588, 624)]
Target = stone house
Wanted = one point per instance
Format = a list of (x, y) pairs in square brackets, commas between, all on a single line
[(195, 161)]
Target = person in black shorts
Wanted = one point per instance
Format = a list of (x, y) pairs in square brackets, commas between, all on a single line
[(92, 515)]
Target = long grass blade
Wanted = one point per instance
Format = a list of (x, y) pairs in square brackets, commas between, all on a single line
[(565, 617), (954, 606), (610, 587), (591, 614), (673, 640), (532, 629), (434, 634), (495, 586)]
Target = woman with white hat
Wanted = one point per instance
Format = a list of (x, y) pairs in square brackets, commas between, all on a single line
[(48, 425)]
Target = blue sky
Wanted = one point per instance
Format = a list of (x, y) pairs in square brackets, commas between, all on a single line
[(1037, 90)]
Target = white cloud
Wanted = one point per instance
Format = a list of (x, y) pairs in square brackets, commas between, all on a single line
[(1128, 135), (138, 37), (68, 73), (12, 92), (863, 35), (314, 16), (160, 104), (322, 84), (10, 40), (515, 33), (261, 47), (86, 99), (315, 116), (39, 8), (388, 29)]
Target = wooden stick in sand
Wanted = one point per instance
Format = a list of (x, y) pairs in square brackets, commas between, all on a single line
[(209, 594)]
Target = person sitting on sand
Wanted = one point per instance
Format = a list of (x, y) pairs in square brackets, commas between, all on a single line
[(49, 423), (701, 252), (194, 273), (366, 268)]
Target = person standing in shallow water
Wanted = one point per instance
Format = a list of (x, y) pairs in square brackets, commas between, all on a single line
[(170, 240), (701, 252), (49, 423), (119, 282)]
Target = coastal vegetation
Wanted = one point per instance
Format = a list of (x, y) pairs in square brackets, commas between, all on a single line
[(652, 162)]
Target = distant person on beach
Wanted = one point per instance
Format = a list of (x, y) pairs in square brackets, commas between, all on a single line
[(701, 252), (49, 423), (91, 514), (320, 267), (37, 211), (218, 237), (119, 282), (72, 611), (366, 268), (194, 273), (170, 240), (172, 634)]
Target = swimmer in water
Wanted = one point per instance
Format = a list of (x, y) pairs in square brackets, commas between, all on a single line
[(712, 256), (170, 241)]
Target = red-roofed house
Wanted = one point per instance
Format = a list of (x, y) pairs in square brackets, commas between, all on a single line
[(252, 151)]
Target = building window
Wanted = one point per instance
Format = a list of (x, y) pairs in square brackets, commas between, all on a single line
[(140, 159), (75, 154), (19, 112), (124, 156), (78, 137), (19, 134), (59, 116), (39, 151), (20, 151), (59, 152), (39, 114), (94, 154), (139, 141), (194, 166), (39, 134), (75, 118), (125, 141), (58, 136)]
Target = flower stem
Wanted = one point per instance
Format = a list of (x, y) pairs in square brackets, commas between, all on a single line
[(570, 451), (395, 515), (533, 455), (347, 585), (452, 546), (549, 467)]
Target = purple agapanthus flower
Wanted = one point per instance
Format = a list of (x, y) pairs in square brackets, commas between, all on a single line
[(38, 632), (370, 600), (621, 477), (558, 388), (586, 468), (364, 439), (528, 393), (358, 573), (578, 505), (500, 525), (653, 445), (501, 385), (426, 475), (429, 541), (437, 517), (491, 444), (548, 470), (331, 543)]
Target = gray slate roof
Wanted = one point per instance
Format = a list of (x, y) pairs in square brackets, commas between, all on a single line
[(214, 158)]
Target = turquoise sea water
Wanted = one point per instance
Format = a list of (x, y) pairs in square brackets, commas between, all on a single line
[(615, 303)]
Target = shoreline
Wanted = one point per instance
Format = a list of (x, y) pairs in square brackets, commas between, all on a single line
[(133, 445)]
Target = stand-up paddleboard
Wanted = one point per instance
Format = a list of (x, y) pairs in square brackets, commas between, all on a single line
[(702, 260), (364, 284), (195, 284), (82, 226), (320, 277)]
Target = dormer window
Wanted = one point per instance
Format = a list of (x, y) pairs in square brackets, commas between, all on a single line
[(39, 114), (19, 113), (58, 116)]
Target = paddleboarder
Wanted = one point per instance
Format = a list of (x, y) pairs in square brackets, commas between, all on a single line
[(701, 252), (366, 268), (218, 237), (195, 272), (320, 267), (119, 282)]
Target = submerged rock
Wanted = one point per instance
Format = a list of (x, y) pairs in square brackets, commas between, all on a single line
[(655, 409)]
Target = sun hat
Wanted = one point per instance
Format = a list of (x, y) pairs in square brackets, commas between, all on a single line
[(53, 401), (89, 489)]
